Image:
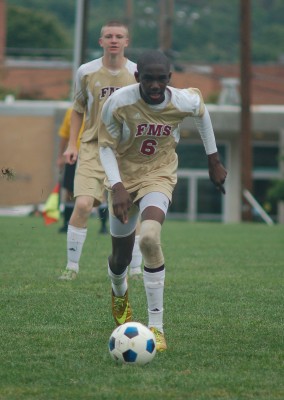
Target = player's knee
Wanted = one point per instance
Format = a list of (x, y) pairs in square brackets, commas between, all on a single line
[(149, 236), (84, 205), (120, 260), (150, 243)]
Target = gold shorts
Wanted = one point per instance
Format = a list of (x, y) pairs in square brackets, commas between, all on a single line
[(90, 175)]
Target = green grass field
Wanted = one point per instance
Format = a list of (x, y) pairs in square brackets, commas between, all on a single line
[(223, 316)]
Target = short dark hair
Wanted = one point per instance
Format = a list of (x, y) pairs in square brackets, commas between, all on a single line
[(114, 23), (152, 57)]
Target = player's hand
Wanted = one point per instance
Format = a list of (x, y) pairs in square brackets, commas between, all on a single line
[(71, 154), (121, 202), (217, 172)]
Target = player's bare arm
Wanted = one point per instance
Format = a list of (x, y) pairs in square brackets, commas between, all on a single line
[(71, 153), (121, 202), (217, 172)]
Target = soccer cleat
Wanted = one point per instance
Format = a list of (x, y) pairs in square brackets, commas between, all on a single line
[(161, 344), (121, 309), (68, 275)]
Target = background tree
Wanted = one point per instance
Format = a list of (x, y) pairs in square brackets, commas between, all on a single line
[(205, 31), (37, 31)]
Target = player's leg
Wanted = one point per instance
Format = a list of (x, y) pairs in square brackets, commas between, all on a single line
[(153, 209), (103, 216), (76, 235), (67, 212), (123, 236), (89, 192), (68, 185), (136, 261)]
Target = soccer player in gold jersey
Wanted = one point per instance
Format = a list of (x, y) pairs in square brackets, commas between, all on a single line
[(95, 82), (138, 136)]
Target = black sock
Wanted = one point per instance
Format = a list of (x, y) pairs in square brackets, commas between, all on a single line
[(103, 215), (68, 209)]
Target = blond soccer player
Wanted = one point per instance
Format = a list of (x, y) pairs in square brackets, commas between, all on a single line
[(95, 82)]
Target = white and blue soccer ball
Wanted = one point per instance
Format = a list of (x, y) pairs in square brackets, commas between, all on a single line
[(132, 343)]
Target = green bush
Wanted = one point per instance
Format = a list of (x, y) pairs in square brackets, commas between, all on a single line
[(276, 192)]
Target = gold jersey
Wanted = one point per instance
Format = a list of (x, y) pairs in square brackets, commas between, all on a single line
[(144, 137), (64, 130), (94, 84)]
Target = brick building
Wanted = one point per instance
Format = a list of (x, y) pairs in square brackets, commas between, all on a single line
[(52, 80)]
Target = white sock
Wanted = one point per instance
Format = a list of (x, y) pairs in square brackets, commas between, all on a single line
[(135, 265), (118, 282), (154, 287), (75, 240)]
